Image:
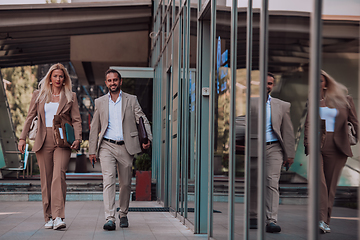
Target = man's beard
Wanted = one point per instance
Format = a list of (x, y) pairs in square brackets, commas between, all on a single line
[(116, 89)]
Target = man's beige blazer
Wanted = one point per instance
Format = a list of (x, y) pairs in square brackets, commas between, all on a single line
[(71, 109), (281, 123), (130, 114)]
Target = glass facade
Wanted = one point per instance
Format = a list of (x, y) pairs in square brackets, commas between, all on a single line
[(210, 59), (201, 176)]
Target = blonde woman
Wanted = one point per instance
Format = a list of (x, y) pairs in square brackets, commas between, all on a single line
[(336, 110), (53, 97)]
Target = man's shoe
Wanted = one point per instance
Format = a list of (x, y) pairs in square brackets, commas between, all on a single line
[(109, 225), (273, 228), (49, 224), (253, 223), (59, 223), (124, 223)]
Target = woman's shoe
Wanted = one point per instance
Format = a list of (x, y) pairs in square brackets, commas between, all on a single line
[(327, 228), (49, 224), (322, 227), (59, 223)]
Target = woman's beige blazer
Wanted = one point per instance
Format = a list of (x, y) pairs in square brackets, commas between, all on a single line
[(71, 109), (341, 130)]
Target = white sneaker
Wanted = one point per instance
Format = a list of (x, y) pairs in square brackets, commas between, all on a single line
[(322, 226), (327, 228), (59, 223), (49, 224)]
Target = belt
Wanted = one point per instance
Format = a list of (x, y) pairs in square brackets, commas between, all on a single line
[(113, 141), (269, 143)]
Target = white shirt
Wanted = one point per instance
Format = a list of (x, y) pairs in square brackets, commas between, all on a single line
[(50, 110), (270, 135), (329, 115), (114, 130)]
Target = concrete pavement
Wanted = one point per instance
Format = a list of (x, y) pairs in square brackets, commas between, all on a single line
[(85, 219)]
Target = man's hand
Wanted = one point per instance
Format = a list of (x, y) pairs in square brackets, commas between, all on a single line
[(21, 145), (146, 146), (288, 163), (92, 158)]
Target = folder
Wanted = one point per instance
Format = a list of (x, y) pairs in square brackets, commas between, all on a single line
[(70, 134)]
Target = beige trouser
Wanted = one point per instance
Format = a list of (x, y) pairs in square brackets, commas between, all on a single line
[(274, 161), (53, 163), (331, 165), (111, 156)]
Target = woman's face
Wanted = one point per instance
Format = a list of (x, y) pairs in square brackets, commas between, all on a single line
[(322, 82), (57, 78)]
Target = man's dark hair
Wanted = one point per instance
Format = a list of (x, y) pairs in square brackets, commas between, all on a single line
[(271, 75), (112, 71)]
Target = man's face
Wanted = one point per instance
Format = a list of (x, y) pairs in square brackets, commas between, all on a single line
[(270, 84), (113, 82)]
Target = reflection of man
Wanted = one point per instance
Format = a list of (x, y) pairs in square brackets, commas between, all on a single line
[(280, 150), (114, 137)]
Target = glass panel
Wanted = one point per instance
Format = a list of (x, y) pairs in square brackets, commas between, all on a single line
[(181, 133), (175, 118), (192, 118), (240, 114), (288, 58), (221, 121), (340, 59), (177, 8), (192, 147), (170, 13)]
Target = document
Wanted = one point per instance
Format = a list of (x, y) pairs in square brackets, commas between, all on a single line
[(61, 133)]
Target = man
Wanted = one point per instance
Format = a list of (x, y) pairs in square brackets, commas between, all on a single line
[(114, 139), (280, 151)]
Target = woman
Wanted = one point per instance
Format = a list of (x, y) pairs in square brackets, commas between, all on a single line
[(336, 110), (53, 97)]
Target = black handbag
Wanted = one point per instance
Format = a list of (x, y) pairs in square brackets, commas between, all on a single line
[(143, 137)]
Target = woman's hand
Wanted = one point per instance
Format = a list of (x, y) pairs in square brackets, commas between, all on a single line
[(75, 145), (21, 145)]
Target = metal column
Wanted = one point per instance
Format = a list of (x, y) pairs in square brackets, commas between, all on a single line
[(211, 115), (314, 144), (249, 32), (232, 148), (264, 19)]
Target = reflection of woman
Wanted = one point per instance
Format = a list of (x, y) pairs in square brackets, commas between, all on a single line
[(53, 97), (336, 109)]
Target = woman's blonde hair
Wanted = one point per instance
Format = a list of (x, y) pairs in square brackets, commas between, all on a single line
[(45, 86), (335, 93)]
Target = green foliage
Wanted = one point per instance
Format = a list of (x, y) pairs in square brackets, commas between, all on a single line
[(143, 162), (19, 92)]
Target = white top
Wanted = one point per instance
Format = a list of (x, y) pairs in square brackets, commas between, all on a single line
[(329, 115), (114, 130), (50, 111), (270, 134)]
